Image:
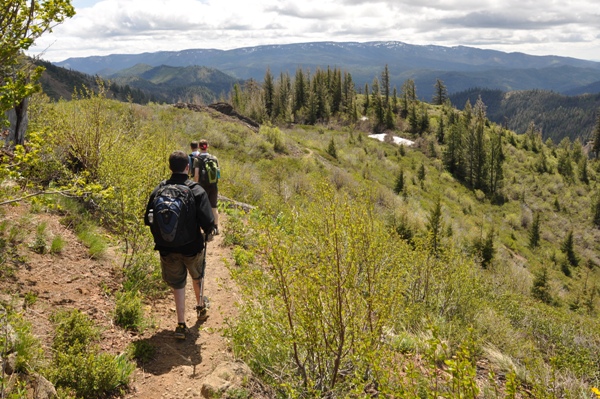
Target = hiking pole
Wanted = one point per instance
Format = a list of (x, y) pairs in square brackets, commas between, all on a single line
[(203, 270)]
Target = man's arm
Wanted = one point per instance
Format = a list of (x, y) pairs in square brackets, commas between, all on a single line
[(204, 215)]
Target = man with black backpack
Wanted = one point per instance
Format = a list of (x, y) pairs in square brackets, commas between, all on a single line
[(177, 209), (207, 173)]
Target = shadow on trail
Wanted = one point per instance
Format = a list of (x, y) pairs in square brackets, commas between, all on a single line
[(171, 352)]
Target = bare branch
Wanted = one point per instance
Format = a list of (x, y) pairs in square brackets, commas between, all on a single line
[(65, 193)]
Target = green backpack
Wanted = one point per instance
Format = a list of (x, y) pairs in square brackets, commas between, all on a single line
[(209, 170)]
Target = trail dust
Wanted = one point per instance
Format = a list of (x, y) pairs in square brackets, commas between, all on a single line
[(70, 279)]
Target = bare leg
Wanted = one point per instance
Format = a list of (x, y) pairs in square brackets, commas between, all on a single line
[(215, 212), (198, 290), (179, 295)]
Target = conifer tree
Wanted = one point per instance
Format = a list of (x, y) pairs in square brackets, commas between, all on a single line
[(541, 287), (385, 85), (300, 88), (496, 160), (583, 171), (440, 94), (453, 155), (421, 172), (331, 149), (269, 93), (567, 247), (366, 104), (534, 232), (475, 151), (440, 131), (435, 226), (399, 187), (377, 103)]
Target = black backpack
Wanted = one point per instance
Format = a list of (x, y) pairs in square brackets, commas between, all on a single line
[(208, 169), (173, 221)]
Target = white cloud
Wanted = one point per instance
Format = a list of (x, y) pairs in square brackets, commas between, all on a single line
[(568, 28)]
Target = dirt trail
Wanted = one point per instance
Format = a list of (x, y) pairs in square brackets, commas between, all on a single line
[(72, 280), (180, 366)]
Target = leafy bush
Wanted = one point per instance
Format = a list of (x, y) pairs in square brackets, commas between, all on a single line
[(129, 312), (77, 363)]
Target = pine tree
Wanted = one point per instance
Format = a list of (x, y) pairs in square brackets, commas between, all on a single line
[(440, 94), (541, 287), (385, 86), (440, 131), (269, 93), (300, 96), (435, 226), (366, 104), (567, 247), (421, 173), (534, 233), (496, 160), (331, 150), (399, 187), (377, 103)]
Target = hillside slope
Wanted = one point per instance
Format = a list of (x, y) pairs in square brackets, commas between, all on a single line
[(71, 280)]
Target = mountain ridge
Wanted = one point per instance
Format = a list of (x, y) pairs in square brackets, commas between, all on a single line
[(365, 61)]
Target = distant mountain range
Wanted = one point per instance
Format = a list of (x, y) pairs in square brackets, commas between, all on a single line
[(460, 68)]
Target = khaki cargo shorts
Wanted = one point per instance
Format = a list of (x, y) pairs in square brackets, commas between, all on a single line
[(175, 268)]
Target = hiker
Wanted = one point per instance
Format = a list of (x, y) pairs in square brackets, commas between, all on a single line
[(176, 210), (193, 154), (207, 172)]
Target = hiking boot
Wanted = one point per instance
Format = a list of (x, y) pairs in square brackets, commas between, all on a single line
[(215, 231), (202, 310), (181, 331)]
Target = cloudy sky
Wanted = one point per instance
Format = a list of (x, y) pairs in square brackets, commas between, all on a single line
[(552, 27)]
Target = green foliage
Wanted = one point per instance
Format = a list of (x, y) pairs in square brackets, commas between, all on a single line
[(331, 149), (534, 232), (129, 312), (541, 287), (568, 248), (57, 245), (77, 363), (22, 24)]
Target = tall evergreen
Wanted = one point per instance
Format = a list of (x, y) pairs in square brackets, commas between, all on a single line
[(534, 232), (568, 248), (475, 155), (377, 103), (366, 104), (440, 93), (269, 93), (399, 186), (435, 226), (496, 160), (385, 86), (300, 88)]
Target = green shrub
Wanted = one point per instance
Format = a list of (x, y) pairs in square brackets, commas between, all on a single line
[(129, 312), (57, 245), (78, 365), (242, 257)]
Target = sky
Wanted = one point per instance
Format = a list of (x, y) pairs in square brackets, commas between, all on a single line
[(569, 28)]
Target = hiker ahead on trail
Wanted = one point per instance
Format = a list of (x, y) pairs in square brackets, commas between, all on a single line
[(177, 209), (207, 172)]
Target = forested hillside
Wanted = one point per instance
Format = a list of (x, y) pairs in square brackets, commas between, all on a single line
[(463, 266), (554, 115)]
